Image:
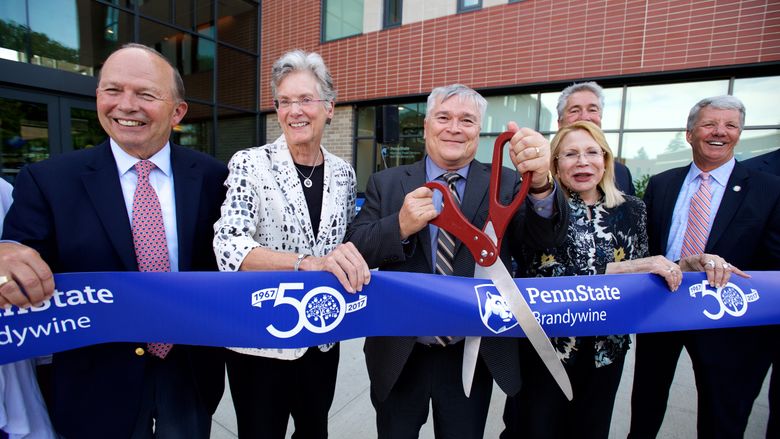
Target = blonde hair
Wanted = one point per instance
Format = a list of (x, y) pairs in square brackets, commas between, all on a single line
[(612, 195)]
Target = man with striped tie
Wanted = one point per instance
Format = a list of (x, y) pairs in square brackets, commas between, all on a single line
[(392, 233), (714, 215)]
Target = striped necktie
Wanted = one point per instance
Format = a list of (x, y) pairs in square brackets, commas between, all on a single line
[(151, 246), (695, 239), (445, 244)]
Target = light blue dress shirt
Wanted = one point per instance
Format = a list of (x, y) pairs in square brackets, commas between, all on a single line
[(719, 178), (543, 207), (161, 180)]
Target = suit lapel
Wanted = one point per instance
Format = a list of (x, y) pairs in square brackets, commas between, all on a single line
[(101, 183), (669, 193), (187, 183), (415, 177), (475, 194), (329, 203), (729, 205), (289, 186)]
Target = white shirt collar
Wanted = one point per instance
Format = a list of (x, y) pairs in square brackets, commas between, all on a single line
[(124, 161)]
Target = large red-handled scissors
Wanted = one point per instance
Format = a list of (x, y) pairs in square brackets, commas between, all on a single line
[(485, 246)]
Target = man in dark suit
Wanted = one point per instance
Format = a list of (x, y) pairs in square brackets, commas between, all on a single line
[(741, 228), (78, 211), (392, 233), (770, 162), (585, 101)]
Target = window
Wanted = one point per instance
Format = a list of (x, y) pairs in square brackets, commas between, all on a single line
[(392, 13), (648, 136), (469, 5), (237, 24), (760, 96), (342, 18)]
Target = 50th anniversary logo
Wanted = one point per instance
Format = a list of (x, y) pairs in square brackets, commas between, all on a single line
[(287, 310)]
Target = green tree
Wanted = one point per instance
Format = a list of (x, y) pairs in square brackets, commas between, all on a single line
[(640, 184), (677, 144)]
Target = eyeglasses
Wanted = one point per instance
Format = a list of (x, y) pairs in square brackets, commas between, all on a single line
[(305, 102), (590, 156)]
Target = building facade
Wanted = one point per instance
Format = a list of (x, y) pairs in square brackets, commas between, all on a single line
[(655, 59), (51, 52)]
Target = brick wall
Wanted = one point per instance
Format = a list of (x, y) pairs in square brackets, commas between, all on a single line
[(338, 135), (528, 42)]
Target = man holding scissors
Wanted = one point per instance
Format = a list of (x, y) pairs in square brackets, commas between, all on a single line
[(393, 233)]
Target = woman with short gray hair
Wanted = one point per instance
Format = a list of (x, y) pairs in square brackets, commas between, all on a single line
[(288, 206)]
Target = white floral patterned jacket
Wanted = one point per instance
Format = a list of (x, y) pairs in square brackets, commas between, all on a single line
[(265, 206)]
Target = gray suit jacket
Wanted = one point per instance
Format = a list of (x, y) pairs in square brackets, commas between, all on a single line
[(376, 234)]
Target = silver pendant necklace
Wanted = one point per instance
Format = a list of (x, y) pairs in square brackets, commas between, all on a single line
[(307, 180)]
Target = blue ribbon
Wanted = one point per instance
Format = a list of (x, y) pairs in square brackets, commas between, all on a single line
[(295, 309)]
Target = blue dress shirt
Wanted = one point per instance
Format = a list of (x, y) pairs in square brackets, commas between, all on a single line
[(718, 181)]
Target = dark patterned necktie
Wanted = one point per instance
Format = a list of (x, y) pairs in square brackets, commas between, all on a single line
[(151, 246), (445, 244)]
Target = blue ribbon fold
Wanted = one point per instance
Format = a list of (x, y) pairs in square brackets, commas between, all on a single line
[(295, 309)]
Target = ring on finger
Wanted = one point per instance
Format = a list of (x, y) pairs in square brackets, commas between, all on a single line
[(4, 280), (710, 263), (538, 152), (726, 266)]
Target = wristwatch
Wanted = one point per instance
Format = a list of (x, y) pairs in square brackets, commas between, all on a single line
[(301, 257), (547, 186)]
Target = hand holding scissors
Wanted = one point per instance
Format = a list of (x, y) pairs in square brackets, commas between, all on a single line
[(485, 247)]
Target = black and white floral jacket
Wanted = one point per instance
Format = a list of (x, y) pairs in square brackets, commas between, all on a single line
[(265, 206), (592, 241)]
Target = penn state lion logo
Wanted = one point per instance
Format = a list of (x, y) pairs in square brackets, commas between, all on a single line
[(494, 311)]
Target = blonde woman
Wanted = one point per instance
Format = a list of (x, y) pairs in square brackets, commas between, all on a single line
[(606, 234)]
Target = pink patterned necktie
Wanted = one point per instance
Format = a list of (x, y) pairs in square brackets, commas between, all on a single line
[(151, 246), (695, 239)]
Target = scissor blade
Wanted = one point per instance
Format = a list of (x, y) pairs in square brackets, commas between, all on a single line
[(471, 347), (470, 355), (533, 331), (519, 307)]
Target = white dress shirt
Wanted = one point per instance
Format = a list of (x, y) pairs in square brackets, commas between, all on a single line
[(23, 413), (161, 179)]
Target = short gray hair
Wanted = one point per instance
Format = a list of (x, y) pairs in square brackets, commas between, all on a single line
[(178, 83), (576, 87), (461, 91), (723, 102), (300, 61)]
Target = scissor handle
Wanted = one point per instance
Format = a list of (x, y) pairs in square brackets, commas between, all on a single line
[(452, 220), (501, 214)]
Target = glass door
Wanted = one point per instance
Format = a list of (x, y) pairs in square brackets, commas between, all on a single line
[(33, 126), (28, 129), (82, 127)]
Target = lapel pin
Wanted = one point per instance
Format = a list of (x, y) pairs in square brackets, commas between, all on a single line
[(737, 188)]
